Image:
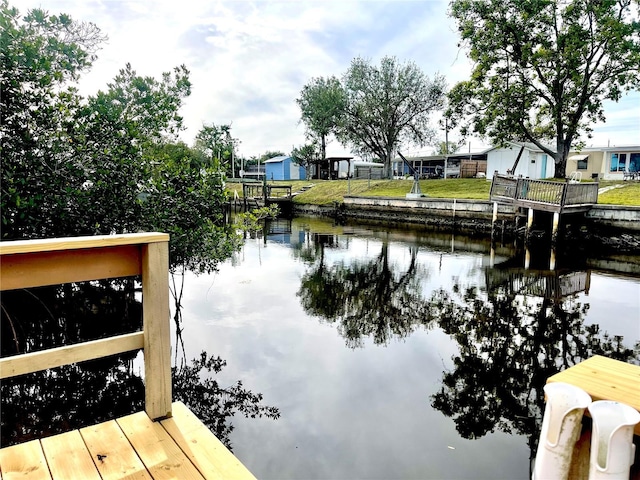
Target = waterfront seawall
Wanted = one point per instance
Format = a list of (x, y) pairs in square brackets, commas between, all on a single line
[(475, 215)]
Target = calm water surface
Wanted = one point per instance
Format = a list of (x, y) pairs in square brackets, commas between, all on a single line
[(396, 354)]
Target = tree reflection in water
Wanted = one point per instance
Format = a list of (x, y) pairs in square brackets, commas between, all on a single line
[(65, 398), (369, 298), (509, 345), (512, 335)]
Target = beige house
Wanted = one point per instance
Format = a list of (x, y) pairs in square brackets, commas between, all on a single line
[(607, 163)]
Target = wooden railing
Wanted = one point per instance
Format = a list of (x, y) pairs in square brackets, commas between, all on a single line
[(581, 193), (549, 284), (34, 263), (278, 191), (511, 189), (503, 187)]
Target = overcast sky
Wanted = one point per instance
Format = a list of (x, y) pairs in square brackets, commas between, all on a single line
[(250, 59)]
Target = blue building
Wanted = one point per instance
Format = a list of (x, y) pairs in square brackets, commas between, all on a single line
[(284, 168)]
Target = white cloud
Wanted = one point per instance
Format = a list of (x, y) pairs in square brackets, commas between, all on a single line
[(250, 59)]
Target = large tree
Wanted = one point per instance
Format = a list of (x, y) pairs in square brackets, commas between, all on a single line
[(321, 103), (41, 56), (542, 68), (306, 154), (217, 146), (388, 105)]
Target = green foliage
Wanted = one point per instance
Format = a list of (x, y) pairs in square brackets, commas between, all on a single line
[(188, 203), (252, 221), (542, 68), (306, 154), (41, 176), (73, 166), (270, 154), (322, 104), (106, 164), (216, 147), (387, 106), (444, 148)]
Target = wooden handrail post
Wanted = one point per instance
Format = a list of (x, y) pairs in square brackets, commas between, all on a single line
[(517, 192), (563, 196), (157, 343)]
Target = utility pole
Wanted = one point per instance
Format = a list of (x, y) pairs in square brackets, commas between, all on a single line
[(446, 145)]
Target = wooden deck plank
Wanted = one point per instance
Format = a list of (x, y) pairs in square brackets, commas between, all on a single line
[(112, 454), (25, 462), (605, 379), (202, 447), (68, 457), (132, 447), (157, 450)]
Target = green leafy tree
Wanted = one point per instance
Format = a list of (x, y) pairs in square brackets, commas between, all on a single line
[(444, 148), (270, 154), (388, 105), (542, 68), (217, 146), (322, 104), (73, 166), (188, 203), (306, 154), (108, 163), (42, 55), (116, 137)]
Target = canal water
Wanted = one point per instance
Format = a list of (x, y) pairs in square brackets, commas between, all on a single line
[(400, 353)]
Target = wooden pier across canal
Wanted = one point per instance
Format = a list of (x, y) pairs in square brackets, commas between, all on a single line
[(259, 194), (164, 441)]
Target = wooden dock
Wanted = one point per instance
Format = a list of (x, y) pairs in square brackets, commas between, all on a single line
[(131, 447), (605, 379), (542, 195), (164, 441), (561, 197), (259, 194)]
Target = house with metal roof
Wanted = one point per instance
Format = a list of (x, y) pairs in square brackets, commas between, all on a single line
[(284, 168)]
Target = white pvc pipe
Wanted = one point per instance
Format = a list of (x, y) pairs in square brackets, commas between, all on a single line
[(561, 427), (612, 448)]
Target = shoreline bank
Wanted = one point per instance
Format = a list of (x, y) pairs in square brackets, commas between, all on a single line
[(609, 224)]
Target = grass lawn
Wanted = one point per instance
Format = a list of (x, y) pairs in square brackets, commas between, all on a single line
[(325, 192), (623, 193)]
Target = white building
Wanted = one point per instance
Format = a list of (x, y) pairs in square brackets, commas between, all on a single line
[(609, 163), (533, 163)]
